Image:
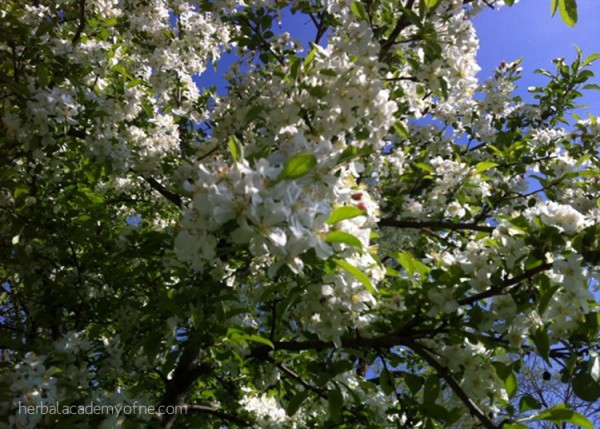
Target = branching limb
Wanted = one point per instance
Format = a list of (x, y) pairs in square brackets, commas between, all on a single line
[(401, 24), (319, 23), (188, 370), (262, 40), (443, 372)]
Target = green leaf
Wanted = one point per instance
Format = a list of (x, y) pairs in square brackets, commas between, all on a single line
[(310, 58), (254, 113), (236, 149), (259, 339), (553, 7), (20, 192), (591, 86), (585, 387), (425, 167), (298, 166), (386, 383), (343, 237), (148, 110), (414, 382), (122, 71), (506, 374), (352, 152), (532, 262), (110, 22), (411, 264), (357, 274), (401, 129), (545, 299), (440, 413), (432, 389), (590, 59), (568, 11), (542, 344), (358, 9), (336, 402), (296, 402), (528, 403), (294, 67), (432, 4), (342, 213), (17, 88), (151, 345), (511, 385), (561, 414), (349, 153), (390, 272), (485, 165)]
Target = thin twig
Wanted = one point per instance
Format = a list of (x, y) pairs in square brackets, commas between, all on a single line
[(205, 409), (497, 290)]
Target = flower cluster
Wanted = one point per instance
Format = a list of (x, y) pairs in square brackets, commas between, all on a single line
[(357, 227)]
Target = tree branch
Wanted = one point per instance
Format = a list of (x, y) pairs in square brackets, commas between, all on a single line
[(401, 24), (171, 196), (397, 338), (347, 342), (290, 373), (81, 24), (498, 289), (386, 341), (262, 40), (187, 371), (205, 409), (443, 372), (319, 25), (435, 225)]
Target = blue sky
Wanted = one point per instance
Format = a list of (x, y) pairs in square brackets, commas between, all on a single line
[(524, 30), (527, 30)]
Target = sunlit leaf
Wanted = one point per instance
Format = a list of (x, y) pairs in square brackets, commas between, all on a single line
[(298, 166)]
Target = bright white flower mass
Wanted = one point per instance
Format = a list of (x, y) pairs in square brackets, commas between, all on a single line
[(356, 230), (561, 216)]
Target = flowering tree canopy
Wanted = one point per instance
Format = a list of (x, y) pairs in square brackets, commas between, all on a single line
[(356, 234)]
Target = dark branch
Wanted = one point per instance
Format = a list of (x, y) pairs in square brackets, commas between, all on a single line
[(386, 341), (265, 43), (188, 370), (171, 196), (401, 24), (454, 385), (81, 24), (290, 373), (204, 409), (435, 225), (352, 342), (498, 289), (319, 25)]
